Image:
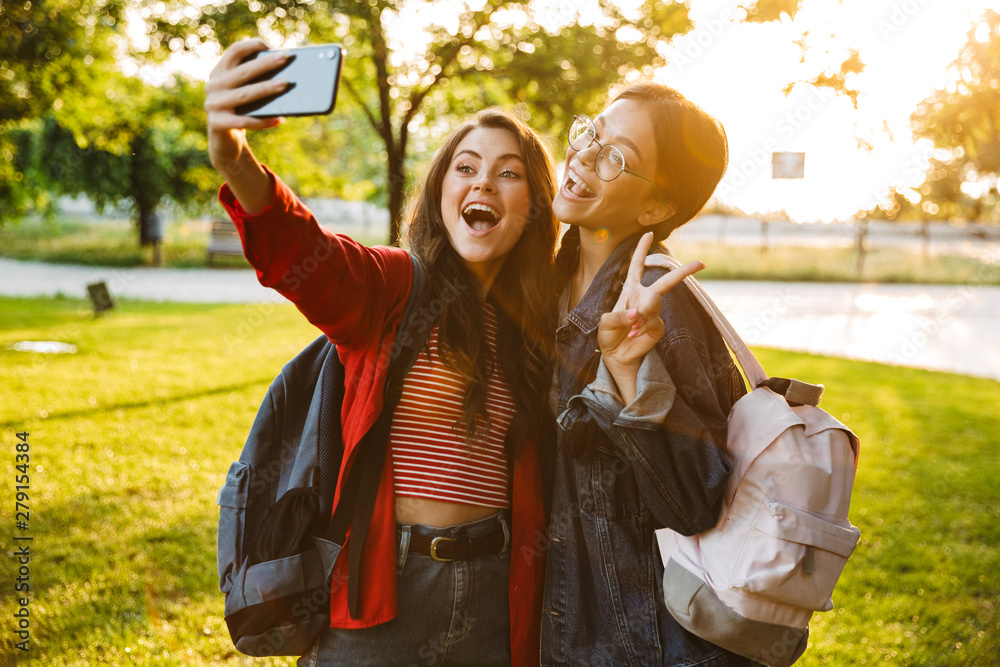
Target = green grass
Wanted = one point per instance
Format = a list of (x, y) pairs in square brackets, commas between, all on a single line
[(105, 243), (922, 587), (115, 243), (831, 264), (131, 438)]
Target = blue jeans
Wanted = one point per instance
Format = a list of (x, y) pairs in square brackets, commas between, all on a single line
[(450, 613)]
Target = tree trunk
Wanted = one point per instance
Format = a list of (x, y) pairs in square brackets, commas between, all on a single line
[(144, 192), (397, 185), (862, 247), (151, 232), (397, 194)]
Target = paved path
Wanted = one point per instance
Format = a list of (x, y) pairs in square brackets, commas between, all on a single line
[(950, 328)]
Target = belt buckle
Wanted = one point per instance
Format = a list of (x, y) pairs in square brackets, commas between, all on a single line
[(434, 544), (506, 534)]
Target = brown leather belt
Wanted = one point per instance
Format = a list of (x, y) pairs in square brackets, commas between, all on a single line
[(449, 548)]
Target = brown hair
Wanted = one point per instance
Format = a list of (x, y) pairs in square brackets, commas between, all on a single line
[(522, 292), (692, 150)]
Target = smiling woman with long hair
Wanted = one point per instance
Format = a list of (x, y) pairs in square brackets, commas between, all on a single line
[(643, 386), (463, 470)]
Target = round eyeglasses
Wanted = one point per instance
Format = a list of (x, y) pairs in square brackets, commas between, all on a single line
[(610, 162)]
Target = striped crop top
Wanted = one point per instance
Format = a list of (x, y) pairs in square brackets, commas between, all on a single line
[(431, 458)]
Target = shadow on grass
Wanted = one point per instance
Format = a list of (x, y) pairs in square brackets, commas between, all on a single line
[(165, 400)]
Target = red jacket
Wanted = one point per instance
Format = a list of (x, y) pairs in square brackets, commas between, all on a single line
[(356, 296)]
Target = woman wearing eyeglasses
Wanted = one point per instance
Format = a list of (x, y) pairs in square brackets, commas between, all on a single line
[(642, 388)]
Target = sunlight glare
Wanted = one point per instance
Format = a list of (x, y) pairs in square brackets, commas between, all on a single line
[(738, 72)]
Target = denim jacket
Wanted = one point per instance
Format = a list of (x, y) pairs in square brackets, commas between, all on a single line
[(621, 471)]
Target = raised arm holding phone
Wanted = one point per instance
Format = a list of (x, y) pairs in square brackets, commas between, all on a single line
[(227, 143), (462, 469)]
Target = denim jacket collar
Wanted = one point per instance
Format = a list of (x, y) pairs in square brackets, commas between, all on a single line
[(586, 316)]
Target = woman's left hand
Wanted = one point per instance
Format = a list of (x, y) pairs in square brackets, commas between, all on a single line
[(634, 325)]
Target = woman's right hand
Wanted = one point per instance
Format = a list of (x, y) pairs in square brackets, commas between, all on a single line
[(633, 327), (226, 90)]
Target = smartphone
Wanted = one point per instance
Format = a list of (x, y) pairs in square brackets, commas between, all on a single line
[(313, 73)]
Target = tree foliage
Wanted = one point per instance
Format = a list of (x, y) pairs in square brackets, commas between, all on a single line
[(147, 147), (102, 133), (963, 120), (964, 117), (763, 11), (52, 52), (838, 78), (490, 52), (940, 197), (51, 48)]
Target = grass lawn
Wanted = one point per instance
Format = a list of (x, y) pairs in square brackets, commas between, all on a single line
[(115, 243), (131, 437), (832, 264)]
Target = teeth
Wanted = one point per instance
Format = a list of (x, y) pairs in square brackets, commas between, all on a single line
[(482, 207), (576, 180)]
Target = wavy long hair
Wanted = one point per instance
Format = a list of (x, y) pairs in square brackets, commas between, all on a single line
[(692, 156), (522, 292)]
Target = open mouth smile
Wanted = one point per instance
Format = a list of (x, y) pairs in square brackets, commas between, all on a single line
[(480, 217), (576, 187)]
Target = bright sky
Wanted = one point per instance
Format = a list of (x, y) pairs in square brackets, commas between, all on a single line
[(737, 71)]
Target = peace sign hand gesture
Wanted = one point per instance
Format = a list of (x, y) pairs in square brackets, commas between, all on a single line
[(634, 326)]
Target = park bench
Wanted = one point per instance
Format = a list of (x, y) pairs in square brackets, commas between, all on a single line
[(225, 240)]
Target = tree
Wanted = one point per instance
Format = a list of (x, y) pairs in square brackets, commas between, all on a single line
[(51, 50), (838, 78), (963, 119), (145, 149), (502, 48), (940, 197), (763, 11)]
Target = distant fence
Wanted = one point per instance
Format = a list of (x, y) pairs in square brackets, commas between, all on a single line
[(346, 216), (973, 240), (980, 241)]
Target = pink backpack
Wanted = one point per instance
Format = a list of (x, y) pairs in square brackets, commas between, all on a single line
[(751, 583)]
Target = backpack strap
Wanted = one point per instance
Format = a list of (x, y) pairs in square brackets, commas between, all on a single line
[(361, 486), (331, 443), (795, 392)]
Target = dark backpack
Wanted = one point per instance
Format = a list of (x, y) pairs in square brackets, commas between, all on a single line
[(277, 544)]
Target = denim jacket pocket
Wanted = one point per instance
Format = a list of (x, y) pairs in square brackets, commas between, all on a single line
[(616, 494)]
